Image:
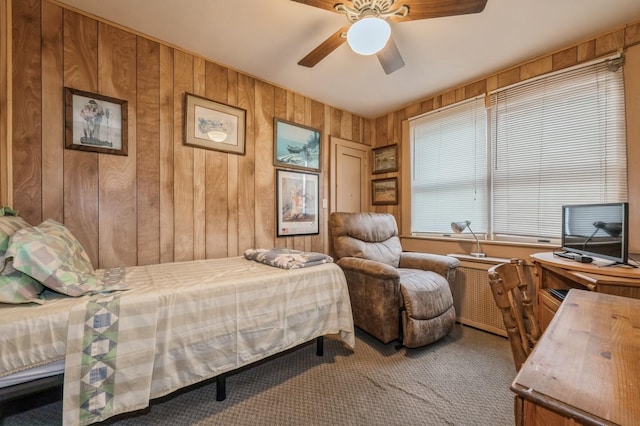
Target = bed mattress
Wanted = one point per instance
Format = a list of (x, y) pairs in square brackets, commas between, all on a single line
[(198, 319)]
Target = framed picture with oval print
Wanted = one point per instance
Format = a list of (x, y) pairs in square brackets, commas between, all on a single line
[(213, 125)]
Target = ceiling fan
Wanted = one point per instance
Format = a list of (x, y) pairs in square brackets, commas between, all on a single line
[(369, 32)]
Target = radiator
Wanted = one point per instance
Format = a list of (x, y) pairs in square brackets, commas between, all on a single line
[(472, 297)]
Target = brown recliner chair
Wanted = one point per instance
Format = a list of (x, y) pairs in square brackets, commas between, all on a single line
[(395, 295)]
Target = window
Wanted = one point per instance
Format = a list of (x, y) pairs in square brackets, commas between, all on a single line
[(449, 168), (555, 140)]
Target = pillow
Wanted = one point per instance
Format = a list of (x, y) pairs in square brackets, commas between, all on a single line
[(9, 225), (52, 255), (16, 287), (8, 211)]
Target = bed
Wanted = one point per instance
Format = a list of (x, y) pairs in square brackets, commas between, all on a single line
[(158, 328)]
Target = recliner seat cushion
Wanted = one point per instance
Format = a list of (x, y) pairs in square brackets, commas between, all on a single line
[(426, 294)]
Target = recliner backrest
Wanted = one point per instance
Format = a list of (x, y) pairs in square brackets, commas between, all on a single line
[(372, 236)]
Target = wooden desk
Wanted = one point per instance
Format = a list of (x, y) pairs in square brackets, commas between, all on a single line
[(585, 366), (555, 272)]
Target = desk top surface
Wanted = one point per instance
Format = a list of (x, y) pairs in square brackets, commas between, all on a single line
[(591, 268), (586, 364)]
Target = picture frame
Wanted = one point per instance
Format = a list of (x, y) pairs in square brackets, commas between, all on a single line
[(297, 203), (213, 125), (296, 146), (384, 191), (385, 159), (95, 123)]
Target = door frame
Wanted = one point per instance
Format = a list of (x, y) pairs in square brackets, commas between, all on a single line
[(366, 150)]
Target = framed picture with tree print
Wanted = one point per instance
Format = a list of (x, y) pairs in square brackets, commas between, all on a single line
[(94, 122)]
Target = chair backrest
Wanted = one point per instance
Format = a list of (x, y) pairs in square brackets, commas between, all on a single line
[(509, 286), (372, 236)]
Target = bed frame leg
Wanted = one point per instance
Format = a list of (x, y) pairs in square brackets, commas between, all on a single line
[(221, 387), (400, 340), (320, 346)]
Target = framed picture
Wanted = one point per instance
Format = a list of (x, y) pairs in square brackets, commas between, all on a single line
[(384, 191), (94, 122), (296, 146), (385, 159), (212, 125), (297, 203)]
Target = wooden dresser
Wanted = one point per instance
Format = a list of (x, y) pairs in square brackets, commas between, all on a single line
[(552, 272), (585, 368)]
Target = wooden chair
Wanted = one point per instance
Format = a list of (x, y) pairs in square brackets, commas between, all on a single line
[(509, 286)]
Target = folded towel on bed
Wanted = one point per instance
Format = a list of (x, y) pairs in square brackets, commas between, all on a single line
[(287, 258)]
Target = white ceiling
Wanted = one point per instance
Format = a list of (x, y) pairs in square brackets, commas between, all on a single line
[(267, 38)]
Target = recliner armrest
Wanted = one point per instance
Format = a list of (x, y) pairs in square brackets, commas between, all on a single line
[(369, 267), (443, 265)]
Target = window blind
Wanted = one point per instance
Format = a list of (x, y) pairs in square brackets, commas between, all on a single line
[(449, 171), (557, 140)]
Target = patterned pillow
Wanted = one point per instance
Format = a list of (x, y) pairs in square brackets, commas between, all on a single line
[(15, 287), (9, 225), (52, 255)]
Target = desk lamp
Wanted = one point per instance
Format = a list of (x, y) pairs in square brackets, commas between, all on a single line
[(613, 229), (458, 227)]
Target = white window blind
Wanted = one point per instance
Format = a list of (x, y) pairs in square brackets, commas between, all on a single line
[(449, 171), (557, 140)]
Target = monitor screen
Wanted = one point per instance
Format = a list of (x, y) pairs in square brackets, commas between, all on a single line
[(598, 230)]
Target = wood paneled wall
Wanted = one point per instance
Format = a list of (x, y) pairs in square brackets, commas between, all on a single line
[(164, 201), (5, 96), (389, 128)]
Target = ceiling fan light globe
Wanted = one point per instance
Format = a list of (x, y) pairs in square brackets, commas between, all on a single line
[(368, 35)]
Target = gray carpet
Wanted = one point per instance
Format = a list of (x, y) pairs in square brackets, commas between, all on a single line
[(461, 380)]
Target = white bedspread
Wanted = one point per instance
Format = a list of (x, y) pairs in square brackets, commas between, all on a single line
[(212, 316)]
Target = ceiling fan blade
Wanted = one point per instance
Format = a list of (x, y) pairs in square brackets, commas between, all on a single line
[(425, 9), (390, 57), (326, 47), (324, 4)]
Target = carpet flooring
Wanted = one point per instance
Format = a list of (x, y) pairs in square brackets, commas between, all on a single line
[(461, 380)]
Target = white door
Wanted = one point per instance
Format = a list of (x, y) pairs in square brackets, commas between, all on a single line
[(349, 176)]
